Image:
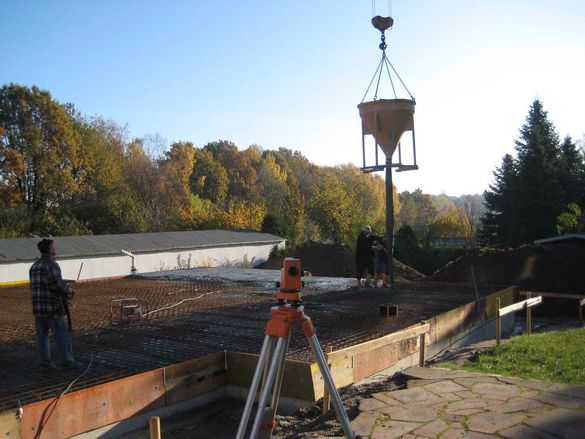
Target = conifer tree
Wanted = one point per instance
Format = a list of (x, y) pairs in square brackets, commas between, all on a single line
[(498, 223), (531, 191)]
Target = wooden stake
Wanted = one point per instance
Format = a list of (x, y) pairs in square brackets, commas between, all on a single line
[(326, 397), (421, 360), (528, 316), (155, 427), (498, 323)]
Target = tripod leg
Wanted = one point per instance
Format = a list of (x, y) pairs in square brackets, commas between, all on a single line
[(278, 351), (270, 411), (328, 379), (254, 386)]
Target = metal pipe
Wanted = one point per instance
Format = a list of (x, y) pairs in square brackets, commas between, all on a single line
[(390, 221)]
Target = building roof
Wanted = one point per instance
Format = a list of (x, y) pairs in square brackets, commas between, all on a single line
[(575, 237), (25, 249)]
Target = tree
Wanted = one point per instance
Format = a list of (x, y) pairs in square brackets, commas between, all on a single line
[(38, 155), (498, 224), (418, 210), (329, 208), (531, 191), (572, 170), (209, 179), (176, 169), (571, 221), (242, 176), (540, 196)]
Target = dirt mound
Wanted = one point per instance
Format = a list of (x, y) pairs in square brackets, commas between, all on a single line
[(555, 268), (334, 261)]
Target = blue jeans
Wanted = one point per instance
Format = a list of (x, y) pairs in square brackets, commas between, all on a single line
[(58, 326)]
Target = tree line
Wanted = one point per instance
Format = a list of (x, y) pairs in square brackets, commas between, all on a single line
[(64, 173)]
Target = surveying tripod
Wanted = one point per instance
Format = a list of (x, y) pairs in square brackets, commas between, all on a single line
[(270, 367)]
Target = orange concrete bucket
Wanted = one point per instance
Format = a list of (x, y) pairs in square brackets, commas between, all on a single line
[(386, 120)]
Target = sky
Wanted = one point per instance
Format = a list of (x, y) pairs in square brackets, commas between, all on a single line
[(291, 73)]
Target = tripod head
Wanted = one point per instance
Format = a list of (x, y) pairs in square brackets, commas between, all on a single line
[(290, 282)]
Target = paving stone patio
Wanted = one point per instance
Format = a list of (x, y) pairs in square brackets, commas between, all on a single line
[(455, 404)]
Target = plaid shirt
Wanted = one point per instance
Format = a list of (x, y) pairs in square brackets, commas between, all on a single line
[(48, 288)]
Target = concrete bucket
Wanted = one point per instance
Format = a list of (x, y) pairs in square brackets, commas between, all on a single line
[(386, 120)]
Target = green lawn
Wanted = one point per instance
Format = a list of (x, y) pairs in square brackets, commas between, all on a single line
[(557, 357)]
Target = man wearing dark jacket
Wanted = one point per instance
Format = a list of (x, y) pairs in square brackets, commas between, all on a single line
[(364, 255), (49, 301)]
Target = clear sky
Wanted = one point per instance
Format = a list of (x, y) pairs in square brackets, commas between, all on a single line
[(291, 73)]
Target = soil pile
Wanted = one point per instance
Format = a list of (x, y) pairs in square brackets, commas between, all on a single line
[(554, 268), (332, 260)]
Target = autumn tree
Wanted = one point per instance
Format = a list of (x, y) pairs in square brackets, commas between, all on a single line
[(38, 157), (417, 210), (209, 179), (329, 208), (104, 202)]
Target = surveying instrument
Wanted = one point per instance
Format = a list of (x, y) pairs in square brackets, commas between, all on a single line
[(270, 368)]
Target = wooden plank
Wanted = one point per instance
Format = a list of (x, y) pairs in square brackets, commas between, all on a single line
[(379, 342), (520, 305), (554, 295), (88, 409), (9, 425)]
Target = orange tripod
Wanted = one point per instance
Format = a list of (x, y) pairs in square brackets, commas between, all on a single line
[(283, 319)]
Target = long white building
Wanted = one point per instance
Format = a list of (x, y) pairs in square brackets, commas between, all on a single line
[(101, 256)]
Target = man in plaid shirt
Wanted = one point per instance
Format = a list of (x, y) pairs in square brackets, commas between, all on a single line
[(49, 295)]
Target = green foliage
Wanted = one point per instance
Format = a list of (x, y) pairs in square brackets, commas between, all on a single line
[(557, 357), (531, 191), (417, 210), (571, 221), (329, 208)]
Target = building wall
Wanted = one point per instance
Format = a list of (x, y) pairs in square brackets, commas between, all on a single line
[(120, 265)]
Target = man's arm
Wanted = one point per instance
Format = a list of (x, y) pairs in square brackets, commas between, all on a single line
[(56, 282)]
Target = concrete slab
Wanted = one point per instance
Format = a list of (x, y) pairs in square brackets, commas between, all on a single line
[(516, 405), (490, 422), (560, 422), (520, 431), (444, 387), (394, 429), (411, 413), (496, 391), (416, 395), (560, 400), (432, 429), (436, 373), (371, 404)]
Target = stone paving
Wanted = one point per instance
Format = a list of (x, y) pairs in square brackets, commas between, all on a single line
[(442, 403)]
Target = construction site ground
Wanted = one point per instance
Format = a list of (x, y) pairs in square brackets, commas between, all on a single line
[(192, 313), (420, 403), (195, 312)]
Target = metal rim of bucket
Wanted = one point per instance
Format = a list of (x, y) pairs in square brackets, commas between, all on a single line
[(387, 104)]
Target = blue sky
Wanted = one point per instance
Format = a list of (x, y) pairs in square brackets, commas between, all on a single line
[(291, 73)]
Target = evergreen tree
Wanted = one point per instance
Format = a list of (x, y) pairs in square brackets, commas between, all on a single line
[(499, 221), (531, 191), (572, 169), (540, 196)]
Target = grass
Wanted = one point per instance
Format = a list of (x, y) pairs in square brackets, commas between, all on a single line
[(557, 357)]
